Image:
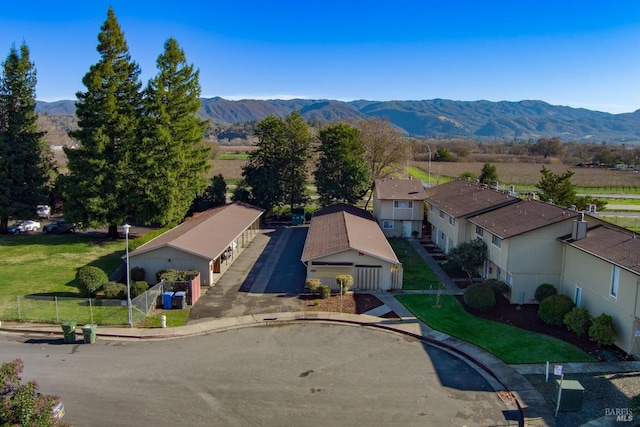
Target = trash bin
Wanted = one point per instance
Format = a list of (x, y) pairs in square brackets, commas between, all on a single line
[(89, 333), (69, 331), (180, 300), (167, 300)]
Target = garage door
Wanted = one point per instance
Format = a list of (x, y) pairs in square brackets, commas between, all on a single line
[(368, 277)]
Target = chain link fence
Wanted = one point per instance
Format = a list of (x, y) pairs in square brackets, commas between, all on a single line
[(54, 309)]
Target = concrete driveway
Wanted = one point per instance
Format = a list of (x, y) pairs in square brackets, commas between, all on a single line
[(267, 277)]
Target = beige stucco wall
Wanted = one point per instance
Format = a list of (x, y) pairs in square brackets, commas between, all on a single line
[(454, 234), (327, 274), (383, 210), (167, 257), (593, 275)]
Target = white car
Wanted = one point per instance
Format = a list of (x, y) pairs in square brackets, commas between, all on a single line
[(24, 226)]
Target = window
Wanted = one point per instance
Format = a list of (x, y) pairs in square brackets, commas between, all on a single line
[(509, 279), (432, 208), (441, 214), (452, 221), (497, 241), (578, 297), (479, 230), (403, 204), (387, 224), (615, 281)]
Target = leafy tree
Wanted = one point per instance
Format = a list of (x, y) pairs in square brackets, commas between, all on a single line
[(548, 147), (468, 257), (468, 175), (442, 155), (174, 161), (242, 193), (489, 174), (214, 195), (23, 405), (341, 175), (277, 169), (558, 188), (25, 162), (103, 182), (386, 151)]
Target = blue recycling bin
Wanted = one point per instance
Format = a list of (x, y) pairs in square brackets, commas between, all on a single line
[(167, 300)]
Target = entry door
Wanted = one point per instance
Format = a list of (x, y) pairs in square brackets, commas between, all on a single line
[(406, 229)]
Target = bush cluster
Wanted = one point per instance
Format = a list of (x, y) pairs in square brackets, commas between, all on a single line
[(544, 291), (603, 330), (171, 275), (578, 320), (312, 285), (138, 288), (554, 308), (114, 290), (497, 286), (480, 296), (90, 280), (137, 274), (325, 291)]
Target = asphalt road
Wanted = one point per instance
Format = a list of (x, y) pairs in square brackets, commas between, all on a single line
[(307, 374)]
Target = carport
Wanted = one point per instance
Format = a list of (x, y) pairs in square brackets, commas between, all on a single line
[(202, 242)]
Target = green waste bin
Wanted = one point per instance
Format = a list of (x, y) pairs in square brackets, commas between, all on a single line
[(69, 330), (89, 333)]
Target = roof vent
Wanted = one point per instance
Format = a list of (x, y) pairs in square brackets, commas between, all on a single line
[(550, 201)]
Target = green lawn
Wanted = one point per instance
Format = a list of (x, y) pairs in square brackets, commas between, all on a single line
[(511, 344), (46, 264), (233, 156), (416, 274)]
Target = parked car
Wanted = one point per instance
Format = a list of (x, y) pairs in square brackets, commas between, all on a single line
[(43, 211), (24, 226), (59, 226)]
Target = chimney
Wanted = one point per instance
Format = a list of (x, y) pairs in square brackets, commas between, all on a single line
[(579, 230)]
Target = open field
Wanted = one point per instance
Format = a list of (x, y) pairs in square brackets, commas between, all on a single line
[(524, 175)]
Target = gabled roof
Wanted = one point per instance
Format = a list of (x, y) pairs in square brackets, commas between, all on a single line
[(399, 189), (339, 228), (521, 217), (613, 244), (462, 198), (207, 234)]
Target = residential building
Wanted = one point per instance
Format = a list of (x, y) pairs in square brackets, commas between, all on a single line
[(398, 206)]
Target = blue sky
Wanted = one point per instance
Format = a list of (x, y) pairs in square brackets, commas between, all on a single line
[(576, 53)]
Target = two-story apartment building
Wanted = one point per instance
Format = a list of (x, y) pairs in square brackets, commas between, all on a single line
[(451, 204), (398, 206), (601, 272)]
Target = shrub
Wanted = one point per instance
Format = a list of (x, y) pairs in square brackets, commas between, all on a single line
[(634, 405), (578, 320), (344, 281), (138, 288), (497, 286), (114, 290), (325, 291), (90, 280), (602, 330), (137, 274), (480, 297), (312, 285), (172, 275), (553, 309), (544, 291)]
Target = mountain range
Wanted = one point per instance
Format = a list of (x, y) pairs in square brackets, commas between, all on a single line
[(524, 121)]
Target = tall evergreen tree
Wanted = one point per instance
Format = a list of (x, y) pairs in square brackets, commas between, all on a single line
[(557, 187), (173, 158), (25, 160), (277, 169), (342, 174), (102, 186), (214, 195), (489, 174)]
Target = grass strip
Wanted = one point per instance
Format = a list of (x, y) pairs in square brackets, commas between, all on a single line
[(416, 275), (510, 344)]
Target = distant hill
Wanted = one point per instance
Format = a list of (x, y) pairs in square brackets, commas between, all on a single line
[(436, 118)]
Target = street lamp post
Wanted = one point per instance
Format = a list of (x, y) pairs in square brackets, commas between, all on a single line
[(429, 165), (126, 228)]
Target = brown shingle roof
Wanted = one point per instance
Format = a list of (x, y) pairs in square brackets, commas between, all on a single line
[(616, 245), (399, 189), (339, 228), (462, 198), (209, 233), (521, 217)]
